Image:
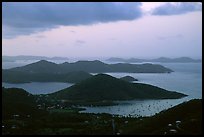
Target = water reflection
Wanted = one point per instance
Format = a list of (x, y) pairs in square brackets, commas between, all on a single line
[(136, 108)]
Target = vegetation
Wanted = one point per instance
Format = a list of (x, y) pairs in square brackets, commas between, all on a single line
[(128, 78), (183, 119), (11, 76), (96, 66), (18, 102), (103, 87), (44, 71), (22, 115)]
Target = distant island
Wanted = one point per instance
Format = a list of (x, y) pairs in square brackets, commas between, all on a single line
[(22, 57), (128, 78), (103, 87), (95, 66), (161, 59), (45, 71)]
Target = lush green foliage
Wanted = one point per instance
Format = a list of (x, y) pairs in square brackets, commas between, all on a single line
[(103, 87), (96, 66), (11, 76), (22, 117), (44, 71), (128, 78)]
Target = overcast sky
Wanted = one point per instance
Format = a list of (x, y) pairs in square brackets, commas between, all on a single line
[(99, 29)]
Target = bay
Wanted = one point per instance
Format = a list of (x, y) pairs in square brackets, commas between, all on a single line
[(186, 78), (136, 108)]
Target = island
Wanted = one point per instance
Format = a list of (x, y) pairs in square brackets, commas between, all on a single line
[(95, 66), (103, 87), (161, 60), (128, 78), (45, 71)]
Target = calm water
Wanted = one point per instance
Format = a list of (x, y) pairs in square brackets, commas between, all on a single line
[(186, 79), (35, 87), (136, 108)]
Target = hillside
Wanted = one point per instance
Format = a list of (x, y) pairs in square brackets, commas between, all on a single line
[(104, 87), (45, 71), (183, 119), (21, 115), (17, 101), (96, 66), (11, 76), (128, 78)]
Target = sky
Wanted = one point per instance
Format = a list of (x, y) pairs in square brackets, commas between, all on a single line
[(102, 29)]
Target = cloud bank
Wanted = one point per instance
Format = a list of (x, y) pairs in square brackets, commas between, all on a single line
[(178, 8), (25, 18)]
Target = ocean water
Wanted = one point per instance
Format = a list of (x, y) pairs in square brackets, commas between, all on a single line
[(136, 108), (186, 78)]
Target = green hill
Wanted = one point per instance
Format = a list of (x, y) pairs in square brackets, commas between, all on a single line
[(45, 71), (95, 66), (65, 121), (19, 95), (11, 76), (128, 78), (104, 87), (17, 101)]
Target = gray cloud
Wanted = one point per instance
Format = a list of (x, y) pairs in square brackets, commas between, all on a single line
[(179, 8), (26, 18)]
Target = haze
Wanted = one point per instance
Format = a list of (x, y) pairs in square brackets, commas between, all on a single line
[(102, 29)]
